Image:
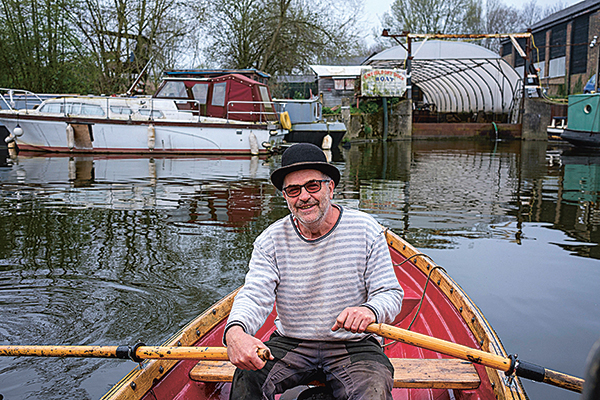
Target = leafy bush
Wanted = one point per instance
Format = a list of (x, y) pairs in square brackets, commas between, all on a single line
[(331, 111)]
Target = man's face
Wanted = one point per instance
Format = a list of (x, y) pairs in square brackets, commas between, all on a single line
[(309, 208)]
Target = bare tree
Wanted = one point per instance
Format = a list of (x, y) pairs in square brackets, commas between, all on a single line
[(123, 35), (281, 36), (429, 16), (465, 16)]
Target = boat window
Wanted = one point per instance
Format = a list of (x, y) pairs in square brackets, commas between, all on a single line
[(91, 109), (200, 91), (173, 89), (73, 108), (53, 108), (155, 113), (121, 110), (218, 97), (264, 95)]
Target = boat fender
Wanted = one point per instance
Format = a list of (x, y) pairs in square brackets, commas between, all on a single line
[(70, 137), (327, 142), (18, 131), (253, 144), (151, 137), (9, 139), (286, 122)]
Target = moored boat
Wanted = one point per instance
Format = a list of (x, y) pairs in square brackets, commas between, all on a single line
[(230, 114), (433, 305), (307, 124), (583, 129)]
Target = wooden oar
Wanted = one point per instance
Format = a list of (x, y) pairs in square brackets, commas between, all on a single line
[(506, 364), (136, 353)]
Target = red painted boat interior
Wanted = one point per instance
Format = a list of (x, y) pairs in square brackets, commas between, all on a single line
[(437, 317)]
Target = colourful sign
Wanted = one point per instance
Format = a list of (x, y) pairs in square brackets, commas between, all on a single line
[(383, 83)]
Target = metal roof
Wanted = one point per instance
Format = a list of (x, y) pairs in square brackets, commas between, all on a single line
[(348, 71), (574, 11), (457, 76)]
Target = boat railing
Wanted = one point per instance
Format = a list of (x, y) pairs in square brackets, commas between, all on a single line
[(14, 95), (267, 109)]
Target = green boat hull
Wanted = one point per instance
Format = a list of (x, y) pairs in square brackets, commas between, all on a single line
[(583, 118)]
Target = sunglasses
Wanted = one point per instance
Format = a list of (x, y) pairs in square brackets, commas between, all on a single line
[(311, 187)]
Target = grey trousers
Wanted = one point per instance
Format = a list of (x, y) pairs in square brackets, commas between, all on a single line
[(352, 370)]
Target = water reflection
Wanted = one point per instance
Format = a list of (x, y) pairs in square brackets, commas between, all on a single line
[(474, 190), (112, 250)]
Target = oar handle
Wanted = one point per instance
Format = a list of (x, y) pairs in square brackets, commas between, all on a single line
[(136, 353), (441, 346), (506, 364), (540, 374)]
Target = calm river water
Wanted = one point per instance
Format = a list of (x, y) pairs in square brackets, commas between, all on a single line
[(97, 250)]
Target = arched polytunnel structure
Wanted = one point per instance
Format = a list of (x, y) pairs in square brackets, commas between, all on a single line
[(457, 76)]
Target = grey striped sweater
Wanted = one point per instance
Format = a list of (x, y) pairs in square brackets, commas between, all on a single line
[(311, 282)]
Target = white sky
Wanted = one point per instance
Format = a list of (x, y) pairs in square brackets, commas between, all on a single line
[(374, 9)]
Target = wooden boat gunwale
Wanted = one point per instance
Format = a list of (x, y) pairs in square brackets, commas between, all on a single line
[(139, 381), (472, 315)]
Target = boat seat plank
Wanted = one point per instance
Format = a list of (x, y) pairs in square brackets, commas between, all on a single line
[(440, 373)]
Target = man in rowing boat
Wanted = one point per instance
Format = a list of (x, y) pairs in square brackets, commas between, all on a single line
[(329, 272)]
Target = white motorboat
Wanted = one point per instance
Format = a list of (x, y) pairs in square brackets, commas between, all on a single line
[(229, 114)]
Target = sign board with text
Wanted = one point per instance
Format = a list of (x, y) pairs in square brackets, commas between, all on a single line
[(383, 83)]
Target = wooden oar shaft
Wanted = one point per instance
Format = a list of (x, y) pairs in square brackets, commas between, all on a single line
[(522, 369), (441, 346), (182, 353), (59, 351), (124, 352)]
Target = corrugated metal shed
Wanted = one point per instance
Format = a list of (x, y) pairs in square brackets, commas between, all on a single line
[(457, 76)]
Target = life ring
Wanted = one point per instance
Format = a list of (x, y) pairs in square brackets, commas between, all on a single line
[(284, 118)]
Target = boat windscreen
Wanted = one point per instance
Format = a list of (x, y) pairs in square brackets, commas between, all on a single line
[(173, 89)]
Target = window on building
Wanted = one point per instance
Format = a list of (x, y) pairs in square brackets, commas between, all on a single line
[(507, 49), (579, 45), (349, 84), (539, 47), (558, 41), (339, 84)]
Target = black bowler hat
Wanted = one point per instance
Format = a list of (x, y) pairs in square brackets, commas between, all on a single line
[(303, 156)]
